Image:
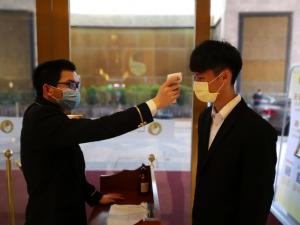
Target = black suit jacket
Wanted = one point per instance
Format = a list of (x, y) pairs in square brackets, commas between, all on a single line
[(53, 163), (234, 184)]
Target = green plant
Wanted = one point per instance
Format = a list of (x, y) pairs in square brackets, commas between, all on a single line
[(185, 97), (91, 95)]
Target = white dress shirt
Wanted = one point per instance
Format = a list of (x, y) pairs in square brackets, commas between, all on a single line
[(218, 118), (152, 106)]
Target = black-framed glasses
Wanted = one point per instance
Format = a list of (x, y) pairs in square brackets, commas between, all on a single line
[(71, 84)]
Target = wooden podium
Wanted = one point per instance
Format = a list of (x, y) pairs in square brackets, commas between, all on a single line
[(126, 183)]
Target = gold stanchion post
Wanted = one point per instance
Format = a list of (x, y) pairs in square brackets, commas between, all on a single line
[(8, 154), (151, 159)]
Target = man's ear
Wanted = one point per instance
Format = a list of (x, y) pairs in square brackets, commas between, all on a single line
[(47, 91), (227, 75)]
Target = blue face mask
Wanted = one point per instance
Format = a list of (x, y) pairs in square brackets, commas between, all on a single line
[(70, 99)]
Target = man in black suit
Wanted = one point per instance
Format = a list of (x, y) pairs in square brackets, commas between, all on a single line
[(52, 161), (236, 148)]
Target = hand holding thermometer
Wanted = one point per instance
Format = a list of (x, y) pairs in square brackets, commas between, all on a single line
[(178, 75)]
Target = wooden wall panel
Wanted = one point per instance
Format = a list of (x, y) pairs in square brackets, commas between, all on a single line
[(202, 33), (52, 29), (16, 50), (162, 51)]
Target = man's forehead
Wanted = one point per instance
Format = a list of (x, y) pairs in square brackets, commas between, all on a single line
[(69, 75), (204, 73)]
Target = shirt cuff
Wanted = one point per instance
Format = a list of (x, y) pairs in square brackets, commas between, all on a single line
[(152, 106)]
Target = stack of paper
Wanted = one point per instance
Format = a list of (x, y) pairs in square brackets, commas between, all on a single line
[(126, 214)]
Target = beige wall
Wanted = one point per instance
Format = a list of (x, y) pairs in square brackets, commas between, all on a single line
[(230, 26), (264, 53)]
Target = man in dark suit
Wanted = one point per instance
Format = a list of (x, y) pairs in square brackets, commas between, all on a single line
[(236, 148), (52, 161)]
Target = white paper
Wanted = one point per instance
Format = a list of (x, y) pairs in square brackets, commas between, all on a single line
[(126, 214)]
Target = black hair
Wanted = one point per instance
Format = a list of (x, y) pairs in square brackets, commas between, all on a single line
[(49, 73), (216, 56)]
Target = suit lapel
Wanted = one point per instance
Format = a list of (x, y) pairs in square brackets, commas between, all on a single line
[(206, 130), (203, 137), (231, 120)]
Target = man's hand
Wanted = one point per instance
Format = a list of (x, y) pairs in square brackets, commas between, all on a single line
[(110, 198), (167, 93)]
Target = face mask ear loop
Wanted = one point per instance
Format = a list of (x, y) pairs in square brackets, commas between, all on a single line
[(220, 87), (56, 99), (221, 74)]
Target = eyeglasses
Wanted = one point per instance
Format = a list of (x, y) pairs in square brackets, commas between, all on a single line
[(71, 84)]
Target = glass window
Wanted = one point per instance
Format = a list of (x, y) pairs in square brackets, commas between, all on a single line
[(17, 60), (122, 58)]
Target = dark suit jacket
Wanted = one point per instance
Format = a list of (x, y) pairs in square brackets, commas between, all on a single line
[(234, 184), (53, 163)]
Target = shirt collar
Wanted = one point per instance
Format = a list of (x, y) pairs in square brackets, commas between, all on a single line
[(224, 112)]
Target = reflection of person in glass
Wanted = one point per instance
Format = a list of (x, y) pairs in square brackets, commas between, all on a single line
[(257, 97), (236, 148), (52, 161)]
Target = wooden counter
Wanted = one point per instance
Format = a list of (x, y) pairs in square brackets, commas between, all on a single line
[(126, 183)]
